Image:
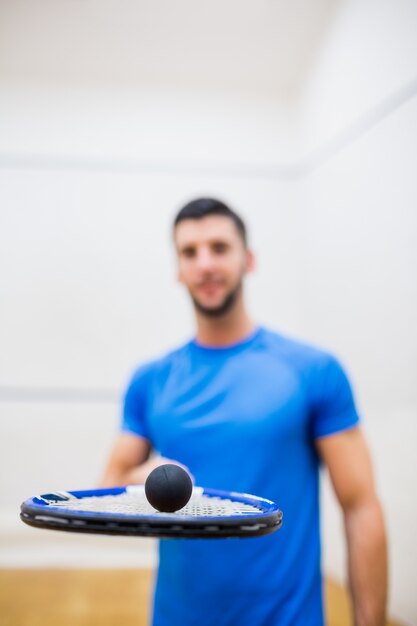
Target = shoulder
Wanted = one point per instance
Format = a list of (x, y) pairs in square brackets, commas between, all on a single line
[(326, 384), (300, 353), (157, 367), (316, 366)]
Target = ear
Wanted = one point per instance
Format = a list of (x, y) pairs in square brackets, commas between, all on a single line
[(250, 261)]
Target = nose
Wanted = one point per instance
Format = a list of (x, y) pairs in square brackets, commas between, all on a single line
[(205, 260)]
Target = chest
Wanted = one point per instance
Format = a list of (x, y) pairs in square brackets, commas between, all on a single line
[(247, 400)]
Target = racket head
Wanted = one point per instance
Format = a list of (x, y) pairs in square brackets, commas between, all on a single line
[(210, 513)]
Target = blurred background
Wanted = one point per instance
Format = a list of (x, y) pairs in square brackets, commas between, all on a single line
[(113, 113)]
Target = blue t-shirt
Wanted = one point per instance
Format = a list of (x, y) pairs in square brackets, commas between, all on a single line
[(244, 418)]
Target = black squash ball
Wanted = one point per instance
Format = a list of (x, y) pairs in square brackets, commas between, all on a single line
[(168, 488)]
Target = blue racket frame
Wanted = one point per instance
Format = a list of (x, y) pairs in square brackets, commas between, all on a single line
[(40, 512)]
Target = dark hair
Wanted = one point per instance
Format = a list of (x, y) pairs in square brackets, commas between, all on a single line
[(202, 207)]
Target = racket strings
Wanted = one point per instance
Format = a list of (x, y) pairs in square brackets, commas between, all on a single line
[(136, 504)]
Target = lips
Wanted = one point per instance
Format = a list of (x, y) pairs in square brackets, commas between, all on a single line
[(209, 288)]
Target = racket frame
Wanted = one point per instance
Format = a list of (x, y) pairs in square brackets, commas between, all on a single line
[(40, 512)]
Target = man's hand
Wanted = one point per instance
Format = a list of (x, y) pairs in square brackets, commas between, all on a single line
[(131, 462), (139, 474)]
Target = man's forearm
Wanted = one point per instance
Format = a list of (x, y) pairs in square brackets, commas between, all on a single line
[(126, 475), (367, 556), (121, 474), (116, 477)]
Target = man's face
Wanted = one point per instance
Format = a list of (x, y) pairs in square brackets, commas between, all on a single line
[(212, 260)]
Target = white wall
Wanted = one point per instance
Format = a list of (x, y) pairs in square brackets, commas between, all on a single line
[(367, 59), (85, 234), (360, 287), (361, 300), (90, 179), (87, 275)]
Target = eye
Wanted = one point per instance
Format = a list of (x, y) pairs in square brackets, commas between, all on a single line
[(188, 252), (219, 247)]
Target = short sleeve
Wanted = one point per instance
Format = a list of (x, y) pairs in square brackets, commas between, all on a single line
[(135, 404), (333, 403)]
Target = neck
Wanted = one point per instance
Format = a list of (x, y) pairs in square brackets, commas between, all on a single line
[(232, 327)]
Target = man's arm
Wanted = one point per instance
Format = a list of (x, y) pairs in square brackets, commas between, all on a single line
[(130, 462), (347, 458)]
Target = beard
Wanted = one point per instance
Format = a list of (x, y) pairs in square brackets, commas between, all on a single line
[(221, 309)]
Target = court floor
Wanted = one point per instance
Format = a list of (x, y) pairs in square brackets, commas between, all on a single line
[(101, 598)]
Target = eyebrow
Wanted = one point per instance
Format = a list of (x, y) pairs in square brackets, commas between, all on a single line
[(210, 242)]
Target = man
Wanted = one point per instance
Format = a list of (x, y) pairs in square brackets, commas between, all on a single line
[(246, 409)]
